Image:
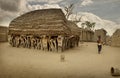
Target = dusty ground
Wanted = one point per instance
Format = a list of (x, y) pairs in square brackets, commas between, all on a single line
[(80, 62)]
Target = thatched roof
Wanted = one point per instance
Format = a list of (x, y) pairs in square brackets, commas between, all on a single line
[(117, 33), (115, 39), (75, 30), (45, 21), (102, 30)]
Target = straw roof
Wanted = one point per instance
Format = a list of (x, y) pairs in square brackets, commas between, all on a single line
[(115, 39), (42, 22), (117, 33), (75, 30)]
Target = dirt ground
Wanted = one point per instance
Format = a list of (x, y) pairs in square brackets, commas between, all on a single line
[(80, 62)]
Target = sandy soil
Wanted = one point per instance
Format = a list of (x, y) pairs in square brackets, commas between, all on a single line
[(80, 62)]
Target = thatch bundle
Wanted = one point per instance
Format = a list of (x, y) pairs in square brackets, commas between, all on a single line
[(75, 30), (45, 21)]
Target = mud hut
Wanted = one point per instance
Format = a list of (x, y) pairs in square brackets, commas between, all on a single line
[(100, 32), (115, 39), (86, 35), (75, 32), (48, 26), (108, 40), (3, 34)]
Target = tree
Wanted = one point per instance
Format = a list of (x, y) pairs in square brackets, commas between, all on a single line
[(69, 10), (93, 25), (83, 25), (89, 25), (77, 20)]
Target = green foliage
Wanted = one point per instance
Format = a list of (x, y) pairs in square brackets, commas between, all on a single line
[(89, 25)]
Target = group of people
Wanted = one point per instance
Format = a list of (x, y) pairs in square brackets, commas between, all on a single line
[(50, 43), (34, 42)]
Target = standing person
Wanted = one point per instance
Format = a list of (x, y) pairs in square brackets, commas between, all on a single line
[(99, 44)]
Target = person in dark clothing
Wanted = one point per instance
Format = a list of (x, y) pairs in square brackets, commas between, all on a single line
[(99, 41)]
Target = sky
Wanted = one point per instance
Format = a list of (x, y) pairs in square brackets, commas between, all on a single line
[(106, 13)]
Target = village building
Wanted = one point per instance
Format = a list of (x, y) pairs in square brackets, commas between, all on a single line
[(102, 33), (86, 35), (75, 32), (115, 39), (108, 40), (45, 29), (3, 34)]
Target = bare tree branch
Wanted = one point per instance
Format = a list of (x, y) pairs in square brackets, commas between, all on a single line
[(69, 10)]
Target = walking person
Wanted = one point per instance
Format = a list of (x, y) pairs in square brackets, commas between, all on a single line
[(99, 44)]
